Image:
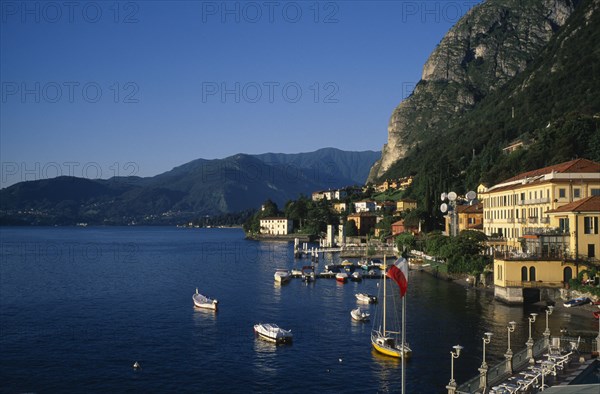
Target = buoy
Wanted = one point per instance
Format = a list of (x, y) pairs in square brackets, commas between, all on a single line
[(340, 360), (136, 365)]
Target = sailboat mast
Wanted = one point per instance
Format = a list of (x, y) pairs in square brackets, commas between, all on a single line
[(403, 342), (384, 293)]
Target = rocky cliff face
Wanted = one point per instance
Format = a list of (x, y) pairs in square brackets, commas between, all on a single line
[(489, 46)]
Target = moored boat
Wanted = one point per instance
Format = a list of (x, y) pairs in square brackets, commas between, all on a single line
[(272, 332), (364, 297), (202, 301), (577, 302), (392, 342), (341, 277), (282, 276), (308, 273), (358, 315), (356, 276)]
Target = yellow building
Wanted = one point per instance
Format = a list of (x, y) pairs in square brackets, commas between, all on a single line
[(554, 257), (470, 217), (406, 204), (520, 206)]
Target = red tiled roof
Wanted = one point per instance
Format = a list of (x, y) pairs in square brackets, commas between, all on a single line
[(588, 204), (470, 208), (573, 166)]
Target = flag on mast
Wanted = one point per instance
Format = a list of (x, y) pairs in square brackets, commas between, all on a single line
[(399, 273)]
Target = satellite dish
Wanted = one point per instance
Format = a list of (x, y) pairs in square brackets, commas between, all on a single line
[(444, 207), (452, 196), (471, 195), (444, 196)]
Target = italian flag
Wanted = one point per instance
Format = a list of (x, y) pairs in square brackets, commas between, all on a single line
[(399, 273)]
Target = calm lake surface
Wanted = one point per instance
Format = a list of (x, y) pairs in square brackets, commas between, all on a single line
[(79, 305)]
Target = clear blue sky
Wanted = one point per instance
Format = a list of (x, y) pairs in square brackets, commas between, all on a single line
[(90, 87)]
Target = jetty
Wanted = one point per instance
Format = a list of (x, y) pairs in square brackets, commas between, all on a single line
[(345, 251)]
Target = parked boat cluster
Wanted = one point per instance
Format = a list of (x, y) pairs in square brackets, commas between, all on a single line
[(383, 340)]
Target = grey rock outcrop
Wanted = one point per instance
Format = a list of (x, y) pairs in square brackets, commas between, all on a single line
[(489, 45)]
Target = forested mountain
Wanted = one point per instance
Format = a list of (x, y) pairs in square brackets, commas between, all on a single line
[(533, 73), (201, 187)]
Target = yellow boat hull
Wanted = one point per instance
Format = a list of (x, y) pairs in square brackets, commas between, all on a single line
[(389, 351)]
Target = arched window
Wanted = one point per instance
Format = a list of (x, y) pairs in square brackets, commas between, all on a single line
[(567, 274), (532, 274), (524, 274)]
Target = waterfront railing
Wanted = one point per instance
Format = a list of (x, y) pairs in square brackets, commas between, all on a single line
[(498, 372)]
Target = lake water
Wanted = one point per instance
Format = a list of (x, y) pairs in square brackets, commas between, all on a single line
[(79, 305)]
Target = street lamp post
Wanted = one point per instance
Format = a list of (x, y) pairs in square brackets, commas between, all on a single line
[(529, 342), (484, 368), (453, 354), (547, 330), (508, 355)]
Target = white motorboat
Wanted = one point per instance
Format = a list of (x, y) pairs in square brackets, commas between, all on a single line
[(356, 276), (341, 277), (202, 301), (358, 315), (364, 297), (282, 276), (272, 332)]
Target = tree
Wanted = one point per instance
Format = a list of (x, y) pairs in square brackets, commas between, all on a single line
[(269, 209), (406, 241), (350, 228)]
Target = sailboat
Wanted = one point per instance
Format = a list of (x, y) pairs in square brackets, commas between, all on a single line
[(384, 338)]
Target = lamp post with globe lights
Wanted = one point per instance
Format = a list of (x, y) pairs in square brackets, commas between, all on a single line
[(453, 354), (484, 368), (549, 311), (508, 355), (529, 342)]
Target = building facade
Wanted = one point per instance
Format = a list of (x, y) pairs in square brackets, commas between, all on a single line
[(543, 228), (520, 205), (276, 226)]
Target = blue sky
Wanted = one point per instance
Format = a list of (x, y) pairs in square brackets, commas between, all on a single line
[(103, 88)]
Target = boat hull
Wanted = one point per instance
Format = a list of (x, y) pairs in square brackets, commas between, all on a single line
[(390, 351), (275, 334), (203, 302)]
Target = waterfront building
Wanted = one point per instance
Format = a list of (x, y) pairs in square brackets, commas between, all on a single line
[(520, 205), (276, 226), (543, 229)]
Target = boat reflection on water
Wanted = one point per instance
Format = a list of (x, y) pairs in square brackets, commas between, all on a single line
[(204, 317), (265, 358), (386, 370)]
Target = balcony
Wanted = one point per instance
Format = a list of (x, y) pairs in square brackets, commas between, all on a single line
[(544, 231), (533, 220), (534, 284), (521, 220), (510, 220), (545, 220), (534, 201)]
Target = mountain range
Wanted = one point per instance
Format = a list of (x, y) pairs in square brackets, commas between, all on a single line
[(198, 188)]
